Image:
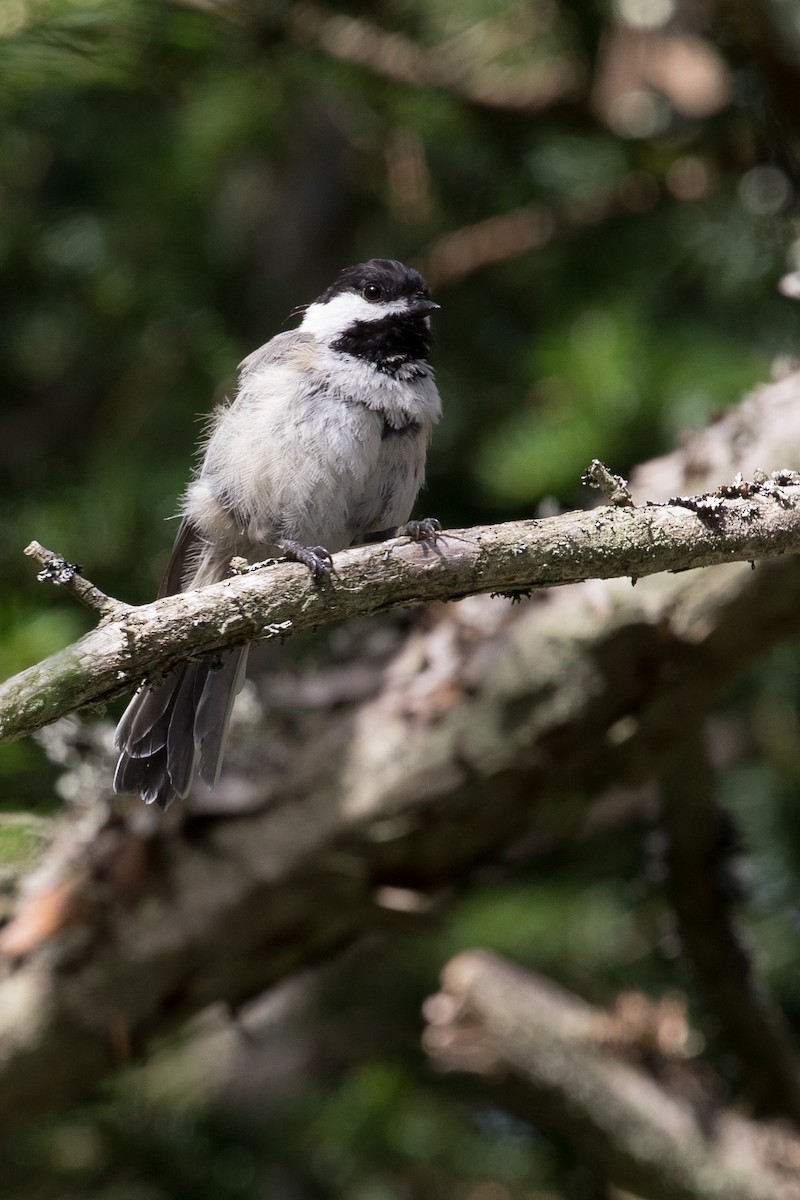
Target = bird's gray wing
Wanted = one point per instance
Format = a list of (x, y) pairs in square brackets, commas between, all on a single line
[(186, 541)]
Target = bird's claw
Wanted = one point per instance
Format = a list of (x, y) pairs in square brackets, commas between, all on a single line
[(317, 559), (426, 530)]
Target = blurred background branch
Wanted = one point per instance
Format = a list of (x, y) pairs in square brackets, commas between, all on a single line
[(618, 1084), (454, 64)]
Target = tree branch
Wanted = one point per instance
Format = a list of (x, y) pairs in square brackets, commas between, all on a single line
[(618, 1085), (740, 522), (56, 569)]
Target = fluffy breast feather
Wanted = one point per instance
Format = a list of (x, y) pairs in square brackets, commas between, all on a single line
[(303, 453)]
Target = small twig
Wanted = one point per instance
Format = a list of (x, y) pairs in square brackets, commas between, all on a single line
[(613, 487), (66, 575)]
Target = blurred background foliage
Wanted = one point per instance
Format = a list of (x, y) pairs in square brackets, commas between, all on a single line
[(603, 196)]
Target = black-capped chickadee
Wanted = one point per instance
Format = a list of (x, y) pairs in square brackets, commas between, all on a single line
[(323, 447)]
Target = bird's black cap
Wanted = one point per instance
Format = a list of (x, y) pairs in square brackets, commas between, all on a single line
[(393, 281)]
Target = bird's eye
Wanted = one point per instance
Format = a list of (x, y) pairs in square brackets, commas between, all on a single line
[(372, 292)]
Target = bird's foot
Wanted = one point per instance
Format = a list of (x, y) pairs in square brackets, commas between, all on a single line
[(426, 530), (316, 558)]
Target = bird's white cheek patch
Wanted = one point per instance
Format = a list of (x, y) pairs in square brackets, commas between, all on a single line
[(331, 320)]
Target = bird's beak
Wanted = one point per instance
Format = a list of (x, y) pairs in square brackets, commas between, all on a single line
[(423, 306)]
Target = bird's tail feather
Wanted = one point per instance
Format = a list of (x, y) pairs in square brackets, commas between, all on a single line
[(213, 714), (167, 728)]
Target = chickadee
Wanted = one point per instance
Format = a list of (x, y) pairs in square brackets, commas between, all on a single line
[(323, 447)]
